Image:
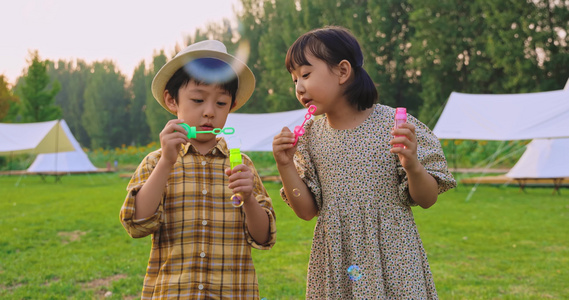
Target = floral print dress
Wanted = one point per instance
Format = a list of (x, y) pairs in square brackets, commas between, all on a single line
[(365, 219)]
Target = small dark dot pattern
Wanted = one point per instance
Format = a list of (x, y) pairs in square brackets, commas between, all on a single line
[(365, 215)]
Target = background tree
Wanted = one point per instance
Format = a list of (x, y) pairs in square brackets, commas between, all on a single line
[(156, 116), (275, 88), (416, 51), (553, 25), (37, 92), (105, 115), (531, 51), (385, 38), (8, 101), (140, 132), (248, 33), (73, 77), (483, 46)]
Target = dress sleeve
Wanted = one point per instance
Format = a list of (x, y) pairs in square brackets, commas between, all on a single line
[(266, 203), (305, 167), (138, 228), (432, 157)]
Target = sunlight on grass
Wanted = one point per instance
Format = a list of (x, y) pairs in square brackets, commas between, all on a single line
[(64, 241)]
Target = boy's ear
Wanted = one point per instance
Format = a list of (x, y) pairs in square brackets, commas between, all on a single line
[(345, 71), (170, 102)]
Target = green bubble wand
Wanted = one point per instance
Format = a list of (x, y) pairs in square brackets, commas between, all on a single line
[(192, 131)]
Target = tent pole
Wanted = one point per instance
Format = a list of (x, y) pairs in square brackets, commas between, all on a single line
[(485, 169), (10, 162), (454, 161), (10, 167), (56, 147), (454, 156)]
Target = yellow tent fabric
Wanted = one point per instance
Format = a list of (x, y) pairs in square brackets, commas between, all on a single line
[(34, 138)]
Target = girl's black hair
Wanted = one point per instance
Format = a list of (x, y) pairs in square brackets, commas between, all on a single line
[(332, 44), (181, 78)]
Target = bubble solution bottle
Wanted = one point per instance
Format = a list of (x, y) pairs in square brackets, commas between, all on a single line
[(236, 159), (400, 119)]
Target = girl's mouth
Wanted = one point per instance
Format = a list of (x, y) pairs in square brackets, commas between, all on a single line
[(306, 103)]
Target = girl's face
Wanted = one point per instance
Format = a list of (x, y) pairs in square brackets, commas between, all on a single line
[(202, 106), (317, 84)]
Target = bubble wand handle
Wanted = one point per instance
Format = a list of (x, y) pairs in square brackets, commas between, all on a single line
[(235, 159), (299, 130)]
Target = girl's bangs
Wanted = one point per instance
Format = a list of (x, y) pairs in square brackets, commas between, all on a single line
[(296, 55)]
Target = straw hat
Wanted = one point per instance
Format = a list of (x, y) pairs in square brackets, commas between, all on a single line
[(209, 50)]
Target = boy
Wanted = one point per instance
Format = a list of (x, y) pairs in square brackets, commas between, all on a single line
[(201, 244)]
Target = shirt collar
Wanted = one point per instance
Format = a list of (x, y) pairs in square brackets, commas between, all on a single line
[(219, 149)]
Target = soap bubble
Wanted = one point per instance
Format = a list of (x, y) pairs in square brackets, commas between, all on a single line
[(213, 70), (296, 192), (210, 70), (237, 200), (354, 272)]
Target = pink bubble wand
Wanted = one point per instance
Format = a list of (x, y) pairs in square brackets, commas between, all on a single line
[(299, 130)]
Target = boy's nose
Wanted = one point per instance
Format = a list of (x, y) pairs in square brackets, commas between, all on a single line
[(208, 111)]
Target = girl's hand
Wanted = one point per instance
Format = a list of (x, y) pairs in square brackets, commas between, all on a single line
[(283, 150), (241, 180), (405, 135), (171, 139)]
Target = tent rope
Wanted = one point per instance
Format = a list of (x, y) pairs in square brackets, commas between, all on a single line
[(492, 163)]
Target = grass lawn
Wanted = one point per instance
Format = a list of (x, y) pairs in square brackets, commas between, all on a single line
[(64, 241)]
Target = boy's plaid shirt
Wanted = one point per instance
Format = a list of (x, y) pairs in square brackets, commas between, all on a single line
[(201, 248)]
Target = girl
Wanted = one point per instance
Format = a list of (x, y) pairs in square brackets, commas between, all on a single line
[(347, 172)]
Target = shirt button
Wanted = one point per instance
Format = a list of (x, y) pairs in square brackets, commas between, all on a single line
[(203, 163), (200, 286), (204, 222), (202, 254), (204, 192)]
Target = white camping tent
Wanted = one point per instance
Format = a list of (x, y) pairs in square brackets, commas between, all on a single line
[(255, 132), (35, 138), (505, 117), (539, 116), (63, 162), (543, 158)]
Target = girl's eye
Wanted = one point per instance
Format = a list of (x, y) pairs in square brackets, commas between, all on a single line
[(221, 103), (305, 75), (197, 100)]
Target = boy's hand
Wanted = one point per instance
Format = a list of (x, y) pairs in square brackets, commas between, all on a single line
[(171, 139), (241, 180), (408, 154), (283, 150)]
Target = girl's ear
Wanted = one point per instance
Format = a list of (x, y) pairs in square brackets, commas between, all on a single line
[(345, 71), (170, 102)]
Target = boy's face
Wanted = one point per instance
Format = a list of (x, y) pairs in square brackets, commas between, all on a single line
[(202, 106)]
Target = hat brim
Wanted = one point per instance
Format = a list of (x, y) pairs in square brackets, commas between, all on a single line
[(246, 79)]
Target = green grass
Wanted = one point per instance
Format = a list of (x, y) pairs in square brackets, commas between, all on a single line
[(64, 241)]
